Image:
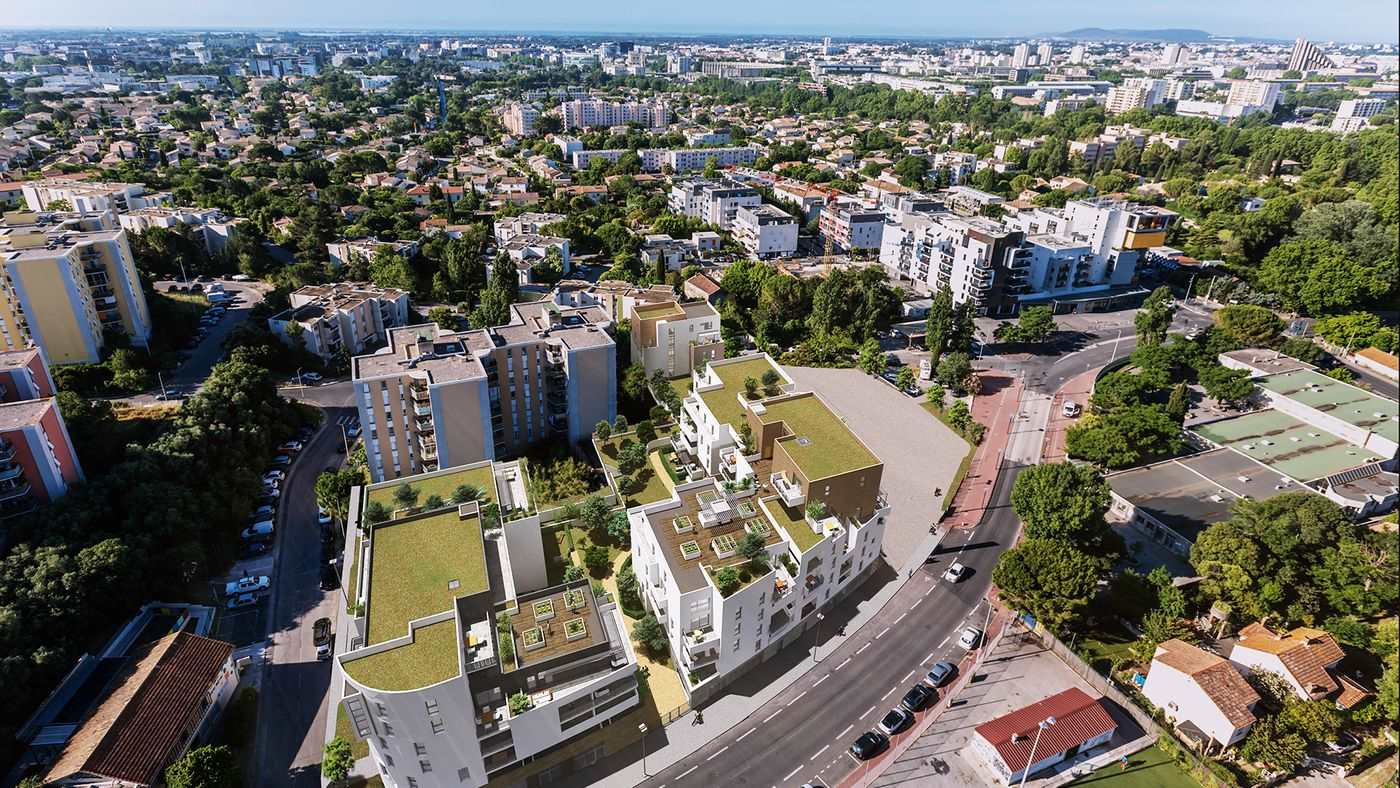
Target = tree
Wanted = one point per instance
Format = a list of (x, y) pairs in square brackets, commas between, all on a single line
[(1035, 324), (596, 559), (209, 766), (936, 395), (1177, 402), (1252, 326), (494, 309), (955, 370), (727, 580), (646, 431), (771, 379), (602, 430), (871, 359), (1229, 386), (1273, 743), (1358, 575), (1154, 318), (959, 416), (1049, 579), (594, 514), (333, 491), (1157, 628), (632, 457), (337, 760), (441, 315), (1125, 436), (619, 424), (619, 529), (627, 591), (939, 326), (405, 495), (752, 547), (904, 378), (572, 573), (751, 387), (1317, 276), (1061, 501), (649, 633), (912, 171), (466, 493), (376, 512)]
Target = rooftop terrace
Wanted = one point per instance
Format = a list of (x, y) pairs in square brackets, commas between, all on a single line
[(1286, 444), (440, 483), (419, 566), (564, 620), (821, 444), (1344, 401), (688, 545), (667, 309), (723, 402), (432, 657)]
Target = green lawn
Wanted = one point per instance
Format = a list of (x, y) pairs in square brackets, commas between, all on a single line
[(820, 444), (441, 485), (1150, 768), (412, 564), (1102, 648), (963, 466), (653, 491), (359, 748)]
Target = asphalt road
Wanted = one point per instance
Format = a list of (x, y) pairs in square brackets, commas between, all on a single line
[(293, 697), (803, 734)]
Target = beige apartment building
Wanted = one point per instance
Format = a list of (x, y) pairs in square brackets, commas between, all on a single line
[(675, 337)]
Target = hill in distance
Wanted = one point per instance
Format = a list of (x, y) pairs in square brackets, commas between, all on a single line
[(1164, 34)]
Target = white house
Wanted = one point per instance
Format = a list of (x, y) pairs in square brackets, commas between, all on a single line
[(1056, 728), (1304, 657), (1200, 692)]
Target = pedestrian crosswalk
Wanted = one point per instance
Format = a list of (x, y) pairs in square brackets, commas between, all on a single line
[(346, 420)]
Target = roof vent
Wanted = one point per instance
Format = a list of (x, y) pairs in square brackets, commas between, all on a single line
[(454, 584), (1244, 479), (803, 441)]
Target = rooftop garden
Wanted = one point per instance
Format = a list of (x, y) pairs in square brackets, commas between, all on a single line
[(431, 657), (544, 610), (690, 550), (794, 522), (575, 629), (758, 526), (418, 567), (533, 638), (723, 403), (480, 484), (575, 599), (683, 524), (821, 444), (724, 545)]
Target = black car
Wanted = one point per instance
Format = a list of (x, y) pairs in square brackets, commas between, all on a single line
[(253, 549), (918, 697), (328, 550), (869, 745), (941, 674), (329, 578)]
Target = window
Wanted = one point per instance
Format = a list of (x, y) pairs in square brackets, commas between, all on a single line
[(437, 724), (425, 766), (419, 749), (463, 773), (389, 759), (412, 783)]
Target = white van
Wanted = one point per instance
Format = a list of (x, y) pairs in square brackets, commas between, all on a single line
[(1070, 409), (258, 530), (925, 369)]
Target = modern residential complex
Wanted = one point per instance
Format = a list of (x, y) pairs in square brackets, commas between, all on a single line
[(765, 231), (519, 119), (68, 280), (467, 655), (713, 202), (212, 226), (436, 399), (589, 113), (85, 196), (341, 318), (851, 227), (775, 465), (676, 338)]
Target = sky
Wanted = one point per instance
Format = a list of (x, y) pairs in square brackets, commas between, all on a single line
[(1341, 20)]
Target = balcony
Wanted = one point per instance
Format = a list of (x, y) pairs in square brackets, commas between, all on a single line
[(791, 494), (418, 393), (13, 489), (427, 449), (10, 471), (701, 640), (7, 451), (422, 409), (424, 425)]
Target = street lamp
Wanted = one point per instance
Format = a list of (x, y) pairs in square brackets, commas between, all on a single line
[(161, 381), (346, 438), (817, 638), (1030, 760), (642, 728), (300, 385)]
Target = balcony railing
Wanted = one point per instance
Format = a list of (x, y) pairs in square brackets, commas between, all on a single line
[(9, 490), (791, 494)]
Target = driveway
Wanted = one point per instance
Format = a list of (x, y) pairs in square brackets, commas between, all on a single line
[(920, 454)]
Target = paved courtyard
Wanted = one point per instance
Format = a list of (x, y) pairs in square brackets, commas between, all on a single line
[(920, 454), (1019, 672)]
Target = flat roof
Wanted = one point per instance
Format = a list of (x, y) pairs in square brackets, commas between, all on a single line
[(1355, 406), (559, 608), (794, 521), (1188, 494), (14, 415), (724, 402), (658, 310), (1286, 444), (689, 572), (432, 657), (821, 444), (1266, 361), (419, 566), (440, 483)]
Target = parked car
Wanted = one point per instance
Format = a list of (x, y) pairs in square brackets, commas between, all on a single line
[(271, 491), (265, 512), (970, 638), (955, 573), (282, 460), (1070, 409), (242, 600), (918, 697), (330, 579), (321, 638), (290, 446), (248, 584), (322, 516), (311, 377), (259, 530), (941, 673), (869, 745), (240, 278), (274, 475), (253, 549), (353, 430), (895, 721), (170, 395)]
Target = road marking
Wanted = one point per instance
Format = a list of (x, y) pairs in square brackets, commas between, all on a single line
[(791, 773), (907, 676), (842, 665), (943, 643), (882, 633), (901, 617), (820, 680), (862, 648), (682, 775), (717, 753), (929, 658), (846, 731), (867, 712), (746, 733), (771, 716), (824, 748), (887, 694), (917, 602), (796, 699)]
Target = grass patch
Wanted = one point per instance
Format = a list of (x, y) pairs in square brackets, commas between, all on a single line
[(963, 467), (1102, 647), (830, 447), (431, 658), (1150, 768), (653, 489), (359, 748), (442, 486), (557, 549), (794, 521), (412, 564)]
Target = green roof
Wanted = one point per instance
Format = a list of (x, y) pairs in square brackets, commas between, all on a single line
[(439, 483), (794, 521), (821, 444), (431, 658), (662, 309), (1295, 449), (1339, 400), (413, 563), (723, 402)]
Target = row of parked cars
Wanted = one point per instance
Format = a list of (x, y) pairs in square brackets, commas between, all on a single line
[(262, 525), (918, 698)]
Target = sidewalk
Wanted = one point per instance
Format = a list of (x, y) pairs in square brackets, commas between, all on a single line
[(1077, 389), (997, 411)]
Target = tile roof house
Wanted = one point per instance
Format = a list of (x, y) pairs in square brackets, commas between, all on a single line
[(158, 704), (1202, 694), (1304, 657), (1005, 743)]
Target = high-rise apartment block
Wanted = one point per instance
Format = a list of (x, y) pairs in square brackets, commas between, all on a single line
[(588, 113), (1355, 114), (783, 468), (68, 280), (1043, 53), (1021, 56), (436, 399), (674, 337), (1135, 93), (465, 658), (1254, 93), (341, 318), (765, 231), (714, 202), (519, 119), (851, 227), (37, 460), (1307, 57)]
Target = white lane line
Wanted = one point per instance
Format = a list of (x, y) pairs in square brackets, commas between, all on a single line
[(824, 748), (843, 664), (941, 644), (846, 731), (820, 680), (746, 733), (867, 712), (882, 633), (917, 602), (887, 694), (908, 676), (717, 753), (771, 716), (901, 617), (929, 658), (862, 648), (791, 773), (799, 697), (682, 775)]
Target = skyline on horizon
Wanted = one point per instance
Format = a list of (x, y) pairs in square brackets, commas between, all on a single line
[(1343, 20)]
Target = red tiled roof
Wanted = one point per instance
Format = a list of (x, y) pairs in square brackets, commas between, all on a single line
[(1306, 653), (1216, 677), (133, 732), (1078, 718)]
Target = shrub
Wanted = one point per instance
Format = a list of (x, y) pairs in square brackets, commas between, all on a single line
[(574, 572), (434, 502), (816, 510), (466, 493), (519, 703), (728, 580), (602, 431), (597, 561), (649, 633), (646, 431), (405, 496), (376, 512)]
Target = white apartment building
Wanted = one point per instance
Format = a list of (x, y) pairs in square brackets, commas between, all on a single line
[(1135, 93), (1253, 93), (464, 660), (679, 160), (531, 222), (212, 226), (765, 231), (347, 250), (713, 202), (810, 200), (956, 166), (675, 337), (1355, 114), (851, 227), (91, 196), (815, 504), (519, 119), (332, 319), (529, 250), (590, 113)]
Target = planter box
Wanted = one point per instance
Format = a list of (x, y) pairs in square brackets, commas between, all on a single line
[(575, 629), (544, 610), (690, 550), (533, 638), (575, 599)]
